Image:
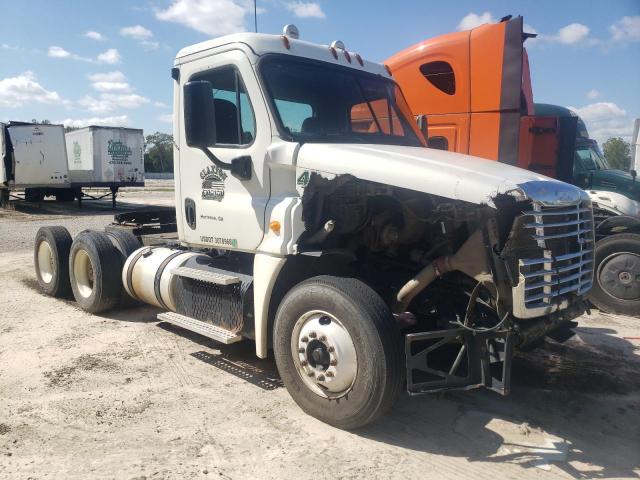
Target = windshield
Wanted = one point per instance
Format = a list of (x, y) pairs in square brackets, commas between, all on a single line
[(318, 102), (589, 158)]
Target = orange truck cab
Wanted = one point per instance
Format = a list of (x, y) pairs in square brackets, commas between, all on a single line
[(474, 87)]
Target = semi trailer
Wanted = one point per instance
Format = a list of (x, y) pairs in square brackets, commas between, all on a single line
[(472, 92), (33, 158), (361, 260)]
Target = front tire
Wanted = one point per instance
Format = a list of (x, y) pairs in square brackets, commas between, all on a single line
[(616, 286), (95, 267), (337, 349)]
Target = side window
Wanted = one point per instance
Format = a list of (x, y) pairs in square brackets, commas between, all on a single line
[(439, 143), (440, 75), (235, 121)]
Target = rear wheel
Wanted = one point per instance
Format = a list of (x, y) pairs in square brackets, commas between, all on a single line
[(617, 274), (51, 259), (4, 197), (126, 243), (33, 194), (95, 266), (337, 349)]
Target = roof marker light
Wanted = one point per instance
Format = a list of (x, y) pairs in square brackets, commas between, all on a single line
[(347, 56), (337, 44), (291, 31), (333, 52), (285, 40), (388, 70), (359, 59)]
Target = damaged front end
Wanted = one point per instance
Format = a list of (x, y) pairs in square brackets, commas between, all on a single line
[(491, 278)]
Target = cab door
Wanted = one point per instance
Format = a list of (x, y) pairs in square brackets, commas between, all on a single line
[(218, 209)]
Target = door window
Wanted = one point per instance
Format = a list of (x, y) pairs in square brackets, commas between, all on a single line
[(235, 121)]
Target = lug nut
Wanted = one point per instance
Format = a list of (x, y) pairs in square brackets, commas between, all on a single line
[(321, 378), (304, 363), (311, 374), (329, 374), (333, 362), (330, 349), (304, 339), (301, 350), (323, 338), (313, 334)]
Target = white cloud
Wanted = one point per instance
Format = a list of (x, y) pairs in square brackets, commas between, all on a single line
[(627, 29), (6, 46), (211, 17), (25, 89), (306, 9), (115, 76), (137, 32), (59, 52), (110, 82), (111, 57), (97, 36), (108, 102), (166, 118), (572, 34), (473, 20), (150, 45), (592, 94), (604, 120), (160, 105), (116, 121)]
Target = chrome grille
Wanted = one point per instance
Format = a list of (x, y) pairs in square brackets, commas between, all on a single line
[(564, 269)]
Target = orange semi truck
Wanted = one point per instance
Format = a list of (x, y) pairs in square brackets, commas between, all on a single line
[(471, 93)]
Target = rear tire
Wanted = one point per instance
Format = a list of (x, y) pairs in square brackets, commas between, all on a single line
[(51, 260), (33, 194), (95, 266), (4, 197), (126, 243), (337, 349), (616, 286)]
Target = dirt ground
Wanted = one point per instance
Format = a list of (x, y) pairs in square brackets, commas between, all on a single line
[(120, 396)]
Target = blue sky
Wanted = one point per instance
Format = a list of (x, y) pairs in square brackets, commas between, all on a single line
[(83, 62)]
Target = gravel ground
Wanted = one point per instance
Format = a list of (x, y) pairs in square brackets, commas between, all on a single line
[(120, 396)]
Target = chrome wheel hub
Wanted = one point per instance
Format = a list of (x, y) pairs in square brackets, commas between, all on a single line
[(324, 354), (46, 265)]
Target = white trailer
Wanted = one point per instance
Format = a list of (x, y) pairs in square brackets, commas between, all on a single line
[(106, 157), (34, 158)]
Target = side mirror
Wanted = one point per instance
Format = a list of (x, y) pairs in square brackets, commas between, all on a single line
[(199, 114), (421, 120)]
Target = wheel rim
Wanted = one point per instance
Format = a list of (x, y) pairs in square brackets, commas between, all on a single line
[(83, 273), (619, 275), (324, 354), (46, 262)]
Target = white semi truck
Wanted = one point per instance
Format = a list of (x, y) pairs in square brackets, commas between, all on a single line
[(361, 260)]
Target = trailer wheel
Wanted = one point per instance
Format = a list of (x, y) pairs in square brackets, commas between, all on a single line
[(95, 266), (51, 259), (33, 194), (126, 243), (616, 286), (65, 195), (338, 351)]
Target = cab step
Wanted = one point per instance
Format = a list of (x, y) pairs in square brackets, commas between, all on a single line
[(206, 275), (206, 329)]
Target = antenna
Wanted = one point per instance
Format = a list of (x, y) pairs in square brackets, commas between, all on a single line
[(255, 15)]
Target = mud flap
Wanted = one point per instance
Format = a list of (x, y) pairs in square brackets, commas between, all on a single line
[(458, 359)]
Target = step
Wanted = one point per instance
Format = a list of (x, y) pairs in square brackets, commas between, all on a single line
[(206, 329), (205, 275)]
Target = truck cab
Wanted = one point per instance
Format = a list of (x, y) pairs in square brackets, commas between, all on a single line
[(312, 219)]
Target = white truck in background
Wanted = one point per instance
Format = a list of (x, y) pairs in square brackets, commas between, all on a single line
[(362, 260), (105, 157), (33, 158)]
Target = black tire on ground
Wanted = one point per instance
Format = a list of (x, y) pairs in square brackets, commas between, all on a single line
[(378, 346), (51, 260), (4, 197), (33, 194), (616, 287), (65, 195), (126, 243), (95, 266)]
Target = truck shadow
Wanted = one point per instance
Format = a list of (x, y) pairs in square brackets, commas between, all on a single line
[(89, 208)]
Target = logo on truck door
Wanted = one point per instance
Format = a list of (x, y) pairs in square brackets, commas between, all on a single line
[(213, 178)]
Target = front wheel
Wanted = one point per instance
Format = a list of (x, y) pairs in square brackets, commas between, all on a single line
[(338, 352), (617, 274)]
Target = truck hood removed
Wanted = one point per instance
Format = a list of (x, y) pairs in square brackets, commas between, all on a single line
[(437, 172)]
